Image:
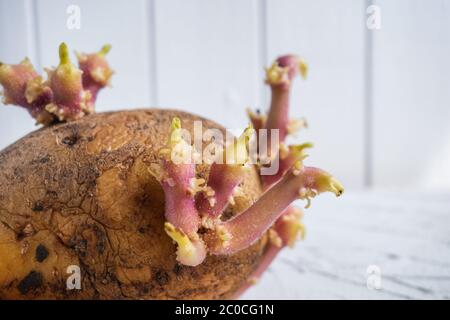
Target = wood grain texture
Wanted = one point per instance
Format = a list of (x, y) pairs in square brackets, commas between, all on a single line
[(330, 36), (405, 234), (411, 95)]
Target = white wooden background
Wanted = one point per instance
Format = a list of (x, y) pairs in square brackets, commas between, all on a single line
[(378, 102)]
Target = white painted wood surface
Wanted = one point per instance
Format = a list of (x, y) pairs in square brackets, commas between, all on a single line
[(411, 76), (404, 234), (207, 57)]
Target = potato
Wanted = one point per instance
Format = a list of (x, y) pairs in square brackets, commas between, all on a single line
[(80, 194)]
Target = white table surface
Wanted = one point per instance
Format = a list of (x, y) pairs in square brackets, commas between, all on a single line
[(407, 235)]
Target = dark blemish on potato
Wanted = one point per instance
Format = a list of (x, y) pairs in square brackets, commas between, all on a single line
[(79, 245), (111, 276), (44, 159), (40, 160), (52, 194), (18, 174), (20, 236), (70, 140), (41, 253), (100, 246), (142, 288), (38, 206), (161, 277), (194, 274), (177, 269), (88, 173), (31, 282), (66, 172), (145, 229)]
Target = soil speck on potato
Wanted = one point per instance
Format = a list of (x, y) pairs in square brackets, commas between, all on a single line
[(31, 282), (161, 277), (38, 206), (41, 253), (70, 140), (80, 247), (177, 269)]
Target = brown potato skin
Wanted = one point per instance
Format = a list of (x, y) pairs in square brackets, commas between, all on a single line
[(80, 194)]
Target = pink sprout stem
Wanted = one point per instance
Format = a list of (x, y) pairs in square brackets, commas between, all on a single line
[(287, 228), (223, 179), (270, 253), (246, 228), (280, 77), (180, 209), (286, 161), (96, 71)]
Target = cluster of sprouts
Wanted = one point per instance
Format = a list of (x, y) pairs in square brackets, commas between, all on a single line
[(68, 93), (193, 204)]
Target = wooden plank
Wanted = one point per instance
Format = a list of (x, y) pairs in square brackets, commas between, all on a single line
[(330, 36), (16, 43), (207, 56), (122, 24), (411, 95)]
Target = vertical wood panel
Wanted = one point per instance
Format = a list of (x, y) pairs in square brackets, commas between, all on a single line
[(330, 36), (412, 94), (121, 23), (15, 28), (207, 55)]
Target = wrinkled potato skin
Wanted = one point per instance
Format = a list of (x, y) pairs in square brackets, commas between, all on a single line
[(81, 194)]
